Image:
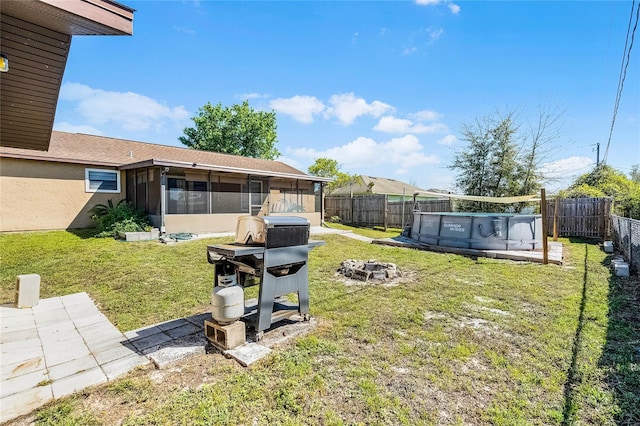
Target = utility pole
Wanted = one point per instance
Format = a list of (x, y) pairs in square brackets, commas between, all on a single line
[(598, 154)]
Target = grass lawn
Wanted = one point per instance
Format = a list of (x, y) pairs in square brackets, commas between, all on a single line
[(460, 341)]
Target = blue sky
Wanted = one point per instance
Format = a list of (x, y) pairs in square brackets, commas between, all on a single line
[(382, 87)]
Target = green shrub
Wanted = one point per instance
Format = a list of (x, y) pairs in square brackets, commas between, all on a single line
[(121, 217)]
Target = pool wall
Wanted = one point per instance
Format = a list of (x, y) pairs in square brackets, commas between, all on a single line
[(482, 231)]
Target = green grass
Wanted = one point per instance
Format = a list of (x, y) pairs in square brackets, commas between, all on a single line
[(377, 232), (461, 341)]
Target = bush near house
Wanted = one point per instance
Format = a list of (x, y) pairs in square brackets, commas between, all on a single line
[(121, 217)]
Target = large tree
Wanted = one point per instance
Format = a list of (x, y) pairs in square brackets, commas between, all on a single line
[(328, 167), (488, 165), (238, 130), (502, 157)]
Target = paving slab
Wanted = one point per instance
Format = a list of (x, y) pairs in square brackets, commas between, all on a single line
[(18, 351), (72, 367), (8, 310), (178, 349), (182, 331), (56, 353), (24, 402), (51, 317), (76, 299), (117, 351), (198, 320), (14, 336), (48, 304), (18, 323), (141, 333), (89, 319), (22, 383), (70, 384), (19, 368), (121, 366), (150, 343), (59, 335), (175, 323), (248, 353)]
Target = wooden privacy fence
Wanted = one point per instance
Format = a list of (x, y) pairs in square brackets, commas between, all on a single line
[(572, 217), (377, 210), (579, 217)]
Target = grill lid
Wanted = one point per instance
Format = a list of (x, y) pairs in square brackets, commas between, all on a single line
[(272, 231)]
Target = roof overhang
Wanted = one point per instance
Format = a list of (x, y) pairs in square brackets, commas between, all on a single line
[(26, 156), (197, 166), (36, 37)]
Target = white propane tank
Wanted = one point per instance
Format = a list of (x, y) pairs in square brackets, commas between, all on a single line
[(227, 300)]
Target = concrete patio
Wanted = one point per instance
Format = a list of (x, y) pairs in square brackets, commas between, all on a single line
[(64, 344)]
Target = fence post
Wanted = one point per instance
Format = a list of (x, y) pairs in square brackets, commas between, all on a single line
[(630, 244), (555, 219), (403, 189), (386, 207), (543, 209)]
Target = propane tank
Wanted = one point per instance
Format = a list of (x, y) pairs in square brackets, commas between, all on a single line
[(227, 300)]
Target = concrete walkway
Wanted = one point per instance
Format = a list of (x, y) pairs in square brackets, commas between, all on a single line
[(64, 344)]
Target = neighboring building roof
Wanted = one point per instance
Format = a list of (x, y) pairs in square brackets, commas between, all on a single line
[(376, 185), (125, 154), (36, 37)]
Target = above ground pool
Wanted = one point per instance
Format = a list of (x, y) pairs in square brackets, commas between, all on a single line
[(482, 231)]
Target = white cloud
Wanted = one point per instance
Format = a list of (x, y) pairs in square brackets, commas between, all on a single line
[(346, 107), (301, 108), (82, 128), (448, 140), (185, 30), (128, 110), (566, 167), (454, 8), (389, 124), (249, 96), (434, 33), (365, 154), (409, 50), (292, 162), (425, 115)]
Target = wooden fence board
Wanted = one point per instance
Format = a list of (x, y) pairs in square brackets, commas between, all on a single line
[(580, 217), (376, 210), (577, 217)]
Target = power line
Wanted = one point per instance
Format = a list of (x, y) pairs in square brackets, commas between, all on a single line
[(623, 71)]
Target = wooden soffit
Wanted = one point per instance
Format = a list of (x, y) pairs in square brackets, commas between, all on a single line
[(35, 36)]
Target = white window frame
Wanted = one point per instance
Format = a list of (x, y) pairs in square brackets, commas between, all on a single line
[(87, 182)]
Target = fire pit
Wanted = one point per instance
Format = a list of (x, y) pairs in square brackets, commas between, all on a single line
[(369, 270)]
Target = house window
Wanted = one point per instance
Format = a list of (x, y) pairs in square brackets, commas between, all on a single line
[(100, 180)]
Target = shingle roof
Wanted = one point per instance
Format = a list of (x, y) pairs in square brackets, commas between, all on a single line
[(377, 185), (99, 150)]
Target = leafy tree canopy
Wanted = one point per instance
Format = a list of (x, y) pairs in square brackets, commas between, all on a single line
[(605, 181), (503, 154), (237, 130), (489, 165), (327, 167)]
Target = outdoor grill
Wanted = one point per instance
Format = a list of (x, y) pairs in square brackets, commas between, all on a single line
[(271, 252)]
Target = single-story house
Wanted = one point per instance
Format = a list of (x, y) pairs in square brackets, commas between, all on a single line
[(182, 190), (371, 185)]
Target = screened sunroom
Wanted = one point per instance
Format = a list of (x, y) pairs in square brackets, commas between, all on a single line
[(200, 198)]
